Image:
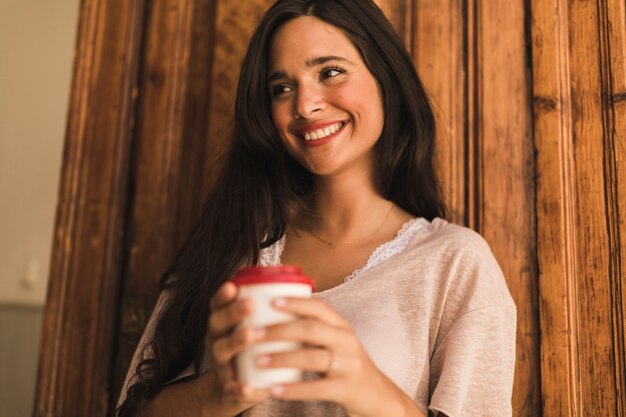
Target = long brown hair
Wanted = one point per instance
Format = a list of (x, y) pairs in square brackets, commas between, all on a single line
[(259, 183)]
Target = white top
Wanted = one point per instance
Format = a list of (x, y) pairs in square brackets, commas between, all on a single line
[(433, 311)]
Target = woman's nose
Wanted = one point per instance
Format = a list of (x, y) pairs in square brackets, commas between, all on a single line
[(309, 100)]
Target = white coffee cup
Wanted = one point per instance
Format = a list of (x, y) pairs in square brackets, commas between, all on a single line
[(263, 285)]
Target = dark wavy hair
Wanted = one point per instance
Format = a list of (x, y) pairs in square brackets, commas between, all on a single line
[(259, 183)]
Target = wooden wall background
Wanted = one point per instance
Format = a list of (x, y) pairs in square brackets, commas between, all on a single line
[(531, 102)]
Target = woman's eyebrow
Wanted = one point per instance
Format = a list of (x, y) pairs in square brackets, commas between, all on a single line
[(309, 63), (277, 75), (319, 60)]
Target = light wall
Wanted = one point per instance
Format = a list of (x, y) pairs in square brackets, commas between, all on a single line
[(37, 40), (36, 53)]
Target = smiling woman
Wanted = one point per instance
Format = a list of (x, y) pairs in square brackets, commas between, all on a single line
[(331, 169), (319, 82)]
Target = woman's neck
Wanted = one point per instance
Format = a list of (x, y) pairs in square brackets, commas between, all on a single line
[(345, 208)]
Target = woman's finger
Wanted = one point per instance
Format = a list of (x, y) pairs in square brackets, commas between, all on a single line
[(224, 295), (311, 307), (309, 359), (322, 389), (225, 348), (239, 393), (225, 318), (312, 332)]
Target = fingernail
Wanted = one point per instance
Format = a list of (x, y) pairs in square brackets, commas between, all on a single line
[(280, 302), (263, 360), (277, 390)]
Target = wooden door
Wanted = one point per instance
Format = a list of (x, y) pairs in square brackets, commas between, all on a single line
[(530, 104)]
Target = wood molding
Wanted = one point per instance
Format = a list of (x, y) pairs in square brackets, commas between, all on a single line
[(79, 322), (234, 24), (485, 149), (614, 46), (556, 209), (501, 189), (165, 169), (591, 142), (578, 67), (485, 155), (188, 81), (441, 65)]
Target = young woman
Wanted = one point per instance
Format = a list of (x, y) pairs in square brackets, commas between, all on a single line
[(331, 169)]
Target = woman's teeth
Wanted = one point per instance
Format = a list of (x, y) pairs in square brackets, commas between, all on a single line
[(322, 133)]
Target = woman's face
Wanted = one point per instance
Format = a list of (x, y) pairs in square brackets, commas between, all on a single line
[(326, 105)]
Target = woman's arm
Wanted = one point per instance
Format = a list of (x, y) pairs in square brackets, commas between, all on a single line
[(215, 393)]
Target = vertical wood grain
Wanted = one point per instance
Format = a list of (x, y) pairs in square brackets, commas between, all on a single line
[(75, 361), (472, 58), (591, 139), (501, 132), (401, 14), (578, 65), (473, 137), (556, 209), (434, 34), (153, 88), (166, 170), (613, 15), (191, 65), (234, 24), (438, 49)]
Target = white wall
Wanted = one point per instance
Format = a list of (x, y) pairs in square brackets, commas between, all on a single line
[(37, 40)]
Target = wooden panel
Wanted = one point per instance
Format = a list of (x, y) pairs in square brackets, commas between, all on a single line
[(556, 209), (485, 155), (191, 66), (170, 133), (234, 25), (401, 14), (472, 56), (590, 138), (597, 210), (438, 51), (613, 14), (502, 192), (79, 325), (578, 55), (485, 150), (433, 33)]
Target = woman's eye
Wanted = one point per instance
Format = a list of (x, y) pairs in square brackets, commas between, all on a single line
[(332, 72), (279, 89)]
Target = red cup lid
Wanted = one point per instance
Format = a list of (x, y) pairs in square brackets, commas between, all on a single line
[(272, 275)]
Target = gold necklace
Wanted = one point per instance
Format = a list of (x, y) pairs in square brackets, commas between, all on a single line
[(332, 244)]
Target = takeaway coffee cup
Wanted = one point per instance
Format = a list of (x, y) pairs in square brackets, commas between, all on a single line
[(263, 285)]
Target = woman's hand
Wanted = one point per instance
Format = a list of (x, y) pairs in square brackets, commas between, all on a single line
[(225, 343), (331, 348)]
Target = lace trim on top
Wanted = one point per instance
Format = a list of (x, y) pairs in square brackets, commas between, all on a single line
[(271, 256)]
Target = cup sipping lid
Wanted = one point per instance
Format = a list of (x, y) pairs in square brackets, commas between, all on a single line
[(272, 275)]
